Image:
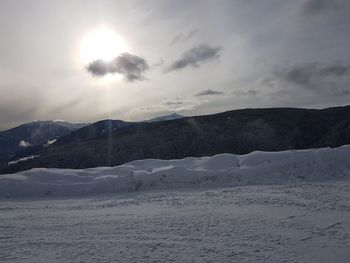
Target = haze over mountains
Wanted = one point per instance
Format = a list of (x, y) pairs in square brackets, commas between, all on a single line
[(114, 142)]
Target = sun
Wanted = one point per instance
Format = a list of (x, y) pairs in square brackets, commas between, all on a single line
[(103, 44)]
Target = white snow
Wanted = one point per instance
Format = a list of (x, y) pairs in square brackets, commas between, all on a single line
[(290, 206), (24, 144), (22, 159), (49, 142), (257, 168), (299, 223)]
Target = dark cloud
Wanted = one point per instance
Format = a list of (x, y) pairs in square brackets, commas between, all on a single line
[(332, 79), (307, 74), (335, 70), (209, 92), (268, 82), (195, 56), (314, 7), (130, 66), (297, 75)]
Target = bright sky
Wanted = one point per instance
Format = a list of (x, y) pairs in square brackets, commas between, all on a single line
[(83, 61)]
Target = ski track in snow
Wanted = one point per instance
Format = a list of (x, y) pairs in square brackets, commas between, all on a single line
[(299, 222)]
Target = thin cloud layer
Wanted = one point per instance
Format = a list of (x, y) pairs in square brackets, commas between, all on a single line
[(247, 93), (209, 92), (182, 37), (130, 66), (195, 57), (167, 106)]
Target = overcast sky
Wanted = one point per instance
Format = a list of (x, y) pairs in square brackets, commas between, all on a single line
[(189, 57)]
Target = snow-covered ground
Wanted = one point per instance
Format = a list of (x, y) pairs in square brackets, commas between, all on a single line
[(314, 165), (302, 222), (291, 206)]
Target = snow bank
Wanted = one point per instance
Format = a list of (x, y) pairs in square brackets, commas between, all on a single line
[(219, 170)]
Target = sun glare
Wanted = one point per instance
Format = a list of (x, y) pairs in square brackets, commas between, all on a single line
[(101, 44)]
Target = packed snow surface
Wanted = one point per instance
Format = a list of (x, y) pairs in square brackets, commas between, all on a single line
[(313, 165), (298, 223)]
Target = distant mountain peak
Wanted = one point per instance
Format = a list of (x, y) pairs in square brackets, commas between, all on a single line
[(169, 117)]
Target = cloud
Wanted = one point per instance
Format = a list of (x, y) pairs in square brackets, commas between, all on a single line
[(269, 82), (195, 56), (158, 64), (173, 102), (314, 7), (318, 77), (308, 73), (180, 105), (130, 66), (245, 92), (208, 92), (298, 75)]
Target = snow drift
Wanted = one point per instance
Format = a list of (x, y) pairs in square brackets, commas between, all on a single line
[(219, 170)]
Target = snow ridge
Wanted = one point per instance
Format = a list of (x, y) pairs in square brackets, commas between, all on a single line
[(220, 170)]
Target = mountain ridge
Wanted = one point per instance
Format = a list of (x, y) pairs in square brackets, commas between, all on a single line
[(238, 132), (30, 138), (33, 134)]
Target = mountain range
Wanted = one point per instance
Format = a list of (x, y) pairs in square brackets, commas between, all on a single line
[(30, 138), (110, 143), (32, 135)]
